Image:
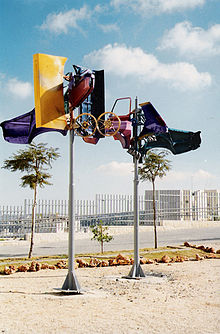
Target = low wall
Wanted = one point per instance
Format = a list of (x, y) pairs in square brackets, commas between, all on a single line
[(164, 225), (115, 230), (188, 223)]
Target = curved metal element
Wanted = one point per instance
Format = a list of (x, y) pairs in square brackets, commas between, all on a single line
[(108, 124), (85, 125), (122, 98)]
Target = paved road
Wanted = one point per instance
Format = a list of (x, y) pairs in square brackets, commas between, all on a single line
[(210, 236)]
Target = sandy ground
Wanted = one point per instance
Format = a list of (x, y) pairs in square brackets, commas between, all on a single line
[(177, 298)]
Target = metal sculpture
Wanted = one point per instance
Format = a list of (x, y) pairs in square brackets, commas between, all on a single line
[(56, 111), (81, 85)]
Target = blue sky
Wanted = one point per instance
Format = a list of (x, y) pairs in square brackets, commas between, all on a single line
[(162, 51)]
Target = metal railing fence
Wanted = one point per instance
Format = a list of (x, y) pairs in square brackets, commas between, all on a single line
[(52, 215)]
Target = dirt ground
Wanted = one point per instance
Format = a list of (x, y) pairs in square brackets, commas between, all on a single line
[(176, 298)]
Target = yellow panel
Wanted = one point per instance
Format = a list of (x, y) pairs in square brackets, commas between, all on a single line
[(48, 91)]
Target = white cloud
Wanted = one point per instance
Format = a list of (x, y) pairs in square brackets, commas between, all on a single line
[(176, 5), (2, 80), (61, 22), (203, 175), (199, 179), (200, 174), (106, 28), (116, 168), (124, 61), (193, 41), (147, 7), (19, 88), (174, 179), (101, 8)]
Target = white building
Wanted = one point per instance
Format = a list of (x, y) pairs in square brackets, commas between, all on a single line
[(185, 204)]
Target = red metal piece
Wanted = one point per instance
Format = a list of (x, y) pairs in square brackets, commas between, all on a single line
[(78, 93)]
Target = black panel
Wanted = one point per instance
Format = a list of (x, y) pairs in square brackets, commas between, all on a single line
[(98, 98), (98, 94)]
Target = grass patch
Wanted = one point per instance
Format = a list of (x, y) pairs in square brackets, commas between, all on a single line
[(34, 258), (149, 253), (190, 253)]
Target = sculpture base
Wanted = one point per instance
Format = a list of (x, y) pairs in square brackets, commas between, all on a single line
[(71, 284), (136, 272)]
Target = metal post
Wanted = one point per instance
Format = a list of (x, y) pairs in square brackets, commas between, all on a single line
[(136, 270), (71, 284)]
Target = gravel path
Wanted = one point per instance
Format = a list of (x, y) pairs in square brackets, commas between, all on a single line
[(175, 298)]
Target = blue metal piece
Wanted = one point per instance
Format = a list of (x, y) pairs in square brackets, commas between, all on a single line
[(134, 122)]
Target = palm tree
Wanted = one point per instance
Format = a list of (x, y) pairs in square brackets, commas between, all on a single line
[(155, 165), (34, 160)]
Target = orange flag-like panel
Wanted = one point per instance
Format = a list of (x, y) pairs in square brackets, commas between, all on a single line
[(48, 91)]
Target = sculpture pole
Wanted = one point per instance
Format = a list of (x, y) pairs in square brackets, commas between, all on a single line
[(71, 284), (136, 270)]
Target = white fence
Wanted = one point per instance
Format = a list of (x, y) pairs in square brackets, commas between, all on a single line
[(52, 215), (102, 204)]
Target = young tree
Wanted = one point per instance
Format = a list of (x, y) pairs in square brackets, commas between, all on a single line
[(100, 234), (34, 160), (155, 165)]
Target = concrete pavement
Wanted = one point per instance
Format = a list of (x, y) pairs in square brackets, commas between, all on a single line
[(208, 235)]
